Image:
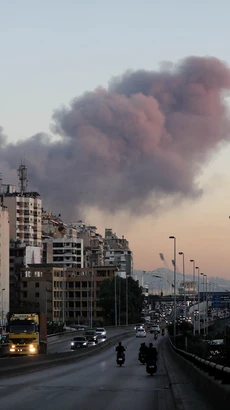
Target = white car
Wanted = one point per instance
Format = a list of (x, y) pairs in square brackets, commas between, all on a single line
[(100, 331), (140, 332), (155, 328)]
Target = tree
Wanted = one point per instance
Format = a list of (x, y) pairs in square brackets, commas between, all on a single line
[(106, 300)]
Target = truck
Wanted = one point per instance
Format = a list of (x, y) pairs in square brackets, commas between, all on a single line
[(27, 334)]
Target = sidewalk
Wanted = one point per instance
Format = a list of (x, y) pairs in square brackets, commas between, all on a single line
[(186, 396)]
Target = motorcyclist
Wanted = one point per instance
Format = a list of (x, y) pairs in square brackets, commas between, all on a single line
[(120, 349), (143, 349), (152, 353), (162, 332)]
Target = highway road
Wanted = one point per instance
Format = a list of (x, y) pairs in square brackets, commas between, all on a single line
[(96, 382), (63, 344)]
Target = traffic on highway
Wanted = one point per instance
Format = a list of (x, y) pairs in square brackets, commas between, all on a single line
[(100, 381)]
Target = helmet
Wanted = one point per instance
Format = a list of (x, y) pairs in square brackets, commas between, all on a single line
[(119, 343), (150, 345)]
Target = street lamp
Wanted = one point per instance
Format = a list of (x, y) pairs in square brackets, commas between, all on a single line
[(198, 298), (115, 297), (204, 300), (194, 296), (174, 322), (185, 310), (2, 307)]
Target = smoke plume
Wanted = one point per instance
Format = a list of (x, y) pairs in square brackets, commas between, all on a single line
[(147, 135)]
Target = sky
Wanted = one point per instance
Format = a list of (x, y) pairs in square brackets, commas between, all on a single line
[(53, 51)]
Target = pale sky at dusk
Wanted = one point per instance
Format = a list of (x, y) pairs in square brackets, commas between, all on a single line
[(52, 51)]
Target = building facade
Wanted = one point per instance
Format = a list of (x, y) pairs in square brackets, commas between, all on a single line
[(117, 252), (65, 294), (68, 252), (4, 264), (24, 215), (93, 243)]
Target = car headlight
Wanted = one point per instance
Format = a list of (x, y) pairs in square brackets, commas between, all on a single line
[(72, 343), (84, 344)]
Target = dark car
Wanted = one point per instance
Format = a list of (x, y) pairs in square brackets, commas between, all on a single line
[(79, 341), (91, 336)]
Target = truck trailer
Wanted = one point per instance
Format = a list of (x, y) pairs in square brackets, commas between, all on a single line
[(27, 334)]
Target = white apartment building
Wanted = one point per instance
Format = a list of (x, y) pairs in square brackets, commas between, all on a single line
[(4, 264), (68, 252), (25, 215)]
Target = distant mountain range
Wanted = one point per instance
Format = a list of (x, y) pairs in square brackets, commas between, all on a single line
[(165, 279)]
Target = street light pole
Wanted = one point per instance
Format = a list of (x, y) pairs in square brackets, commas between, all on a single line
[(198, 290), (194, 295), (91, 299), (185, 310), (115, 298), (174, 322), (2, 308), (204, 301)]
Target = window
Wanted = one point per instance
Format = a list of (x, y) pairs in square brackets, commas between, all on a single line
[(24, 284), (71, 304), (37, 285), (37, 294), (78, 259)]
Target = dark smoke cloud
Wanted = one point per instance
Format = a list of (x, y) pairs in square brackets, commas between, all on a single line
[(148, 134)]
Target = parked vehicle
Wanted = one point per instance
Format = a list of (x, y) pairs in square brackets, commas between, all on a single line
[(78, 342)]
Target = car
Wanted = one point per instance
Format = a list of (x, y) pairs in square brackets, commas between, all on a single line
[(138, 325), (101, 332), (140, 332), (78, 342), (91, 336), (155, 328)]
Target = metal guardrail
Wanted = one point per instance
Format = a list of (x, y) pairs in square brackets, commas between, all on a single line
[(219, 372)]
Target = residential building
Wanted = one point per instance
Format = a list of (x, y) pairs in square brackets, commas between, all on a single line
[(66, 294), (68, 252), (52, 225), (4, 264), (47, 251), (117, 252), (20, 257), (25, 210), (93, 244)]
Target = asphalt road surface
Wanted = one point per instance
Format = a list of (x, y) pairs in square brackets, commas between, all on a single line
[(63, 344), (96, 382)]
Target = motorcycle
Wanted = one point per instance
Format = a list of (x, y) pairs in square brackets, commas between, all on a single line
[(151, 367), (142, 358), (120, 359)]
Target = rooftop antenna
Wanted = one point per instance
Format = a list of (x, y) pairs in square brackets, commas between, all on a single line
[(23, 178)]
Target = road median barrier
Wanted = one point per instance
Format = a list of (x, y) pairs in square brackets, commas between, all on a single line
[(17, 365)]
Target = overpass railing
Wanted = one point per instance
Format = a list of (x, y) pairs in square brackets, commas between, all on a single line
[(219, 372)]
